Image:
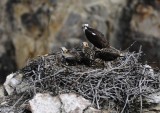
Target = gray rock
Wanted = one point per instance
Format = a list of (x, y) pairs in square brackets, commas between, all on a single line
[(12, 82), (45, 103), (97, 9), (139, 22), (7, 56), (28, 24), (64, 103), (71, 28)]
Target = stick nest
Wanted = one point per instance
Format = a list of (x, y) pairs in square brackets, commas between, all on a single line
[(120, 84)]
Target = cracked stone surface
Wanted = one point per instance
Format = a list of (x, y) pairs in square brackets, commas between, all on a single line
[(64, 103), (45, 103), (12, 82)]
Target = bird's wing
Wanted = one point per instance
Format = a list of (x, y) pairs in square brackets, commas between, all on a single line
[(98, 33), (101, 36)]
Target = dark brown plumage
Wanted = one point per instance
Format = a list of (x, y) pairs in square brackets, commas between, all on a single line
[(98, 63), (108, 54), (70, 57), (88, 52), (95, 37)]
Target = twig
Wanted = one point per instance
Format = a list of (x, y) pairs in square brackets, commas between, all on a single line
[(17, 102), (125, 104)]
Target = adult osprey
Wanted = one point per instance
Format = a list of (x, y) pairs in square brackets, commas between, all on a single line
[(95, 37), (108, 54), (70, 57)]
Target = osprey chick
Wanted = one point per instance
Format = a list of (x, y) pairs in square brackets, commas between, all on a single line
[(108, 54), (69, 57), (88, 52)]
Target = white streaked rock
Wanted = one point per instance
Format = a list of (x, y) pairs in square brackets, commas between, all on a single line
[(64, 103), (73, 103), (12, 81), (45, 103)]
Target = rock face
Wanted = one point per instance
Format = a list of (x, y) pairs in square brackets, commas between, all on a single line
[(7, 57), (140, 23), (145, 25), (29, 28), (39, 27), (34, 28)]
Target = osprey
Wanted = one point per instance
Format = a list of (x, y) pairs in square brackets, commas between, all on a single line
[(108, 54), (70, 57), (87, 54), (87, 51), (95, 37)]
